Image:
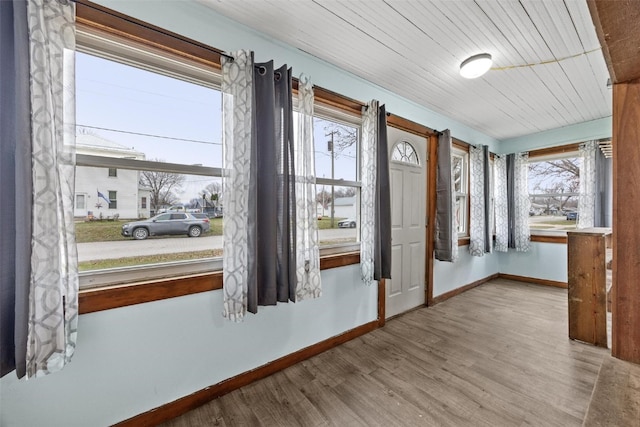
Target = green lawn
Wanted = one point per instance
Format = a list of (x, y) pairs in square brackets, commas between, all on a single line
[(149, 259), (325, 222), (106, 231)]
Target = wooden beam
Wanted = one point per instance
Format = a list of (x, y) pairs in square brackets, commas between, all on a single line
[(617, 27), (626, 238)]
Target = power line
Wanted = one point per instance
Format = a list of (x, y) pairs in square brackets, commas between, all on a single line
[(150, 135)]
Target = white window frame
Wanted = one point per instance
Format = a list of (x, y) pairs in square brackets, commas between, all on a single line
[(340, 117), (405, 143), (464, 188), (551, 157)]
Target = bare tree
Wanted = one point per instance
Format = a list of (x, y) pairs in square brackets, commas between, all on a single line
[(323, 198), (344, 136), (162, 186), (345, 192), (565, 171), (553, 178), (213, 192)]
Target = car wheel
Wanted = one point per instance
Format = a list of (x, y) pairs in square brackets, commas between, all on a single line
[(195, 231), (140, 233), (352, 225)]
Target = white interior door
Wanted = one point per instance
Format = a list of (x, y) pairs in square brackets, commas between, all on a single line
[(408, 171)]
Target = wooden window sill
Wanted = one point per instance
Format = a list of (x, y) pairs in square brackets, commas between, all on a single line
[(110, 297)]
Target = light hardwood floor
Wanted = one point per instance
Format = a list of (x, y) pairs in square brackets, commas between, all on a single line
[(497, 355)]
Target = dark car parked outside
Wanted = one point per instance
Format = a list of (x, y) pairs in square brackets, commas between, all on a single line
[(166, 224), (572, 216)]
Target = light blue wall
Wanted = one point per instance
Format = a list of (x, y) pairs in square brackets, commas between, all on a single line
[(546, 261), (448, 276), (595, 129), (133, 359)]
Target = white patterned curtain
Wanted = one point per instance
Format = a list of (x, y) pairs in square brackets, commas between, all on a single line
[(237, 101), (375, 203), (588, 185), (522, 204), (477, 219), (446, 230), (501, 203), (308, 283), (53, 294), (367, 204)]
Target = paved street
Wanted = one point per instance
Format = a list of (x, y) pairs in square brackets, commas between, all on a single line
[(153, 246)]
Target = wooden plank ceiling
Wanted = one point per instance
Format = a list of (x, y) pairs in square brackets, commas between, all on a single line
[(414, 48)]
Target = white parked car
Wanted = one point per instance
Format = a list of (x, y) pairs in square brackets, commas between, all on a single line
[(347, 223)]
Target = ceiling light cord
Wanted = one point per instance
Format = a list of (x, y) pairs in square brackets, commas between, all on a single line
[(552, 61)]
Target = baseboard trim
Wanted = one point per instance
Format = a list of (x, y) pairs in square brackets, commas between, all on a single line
[(185, 404), (533, 280), (447, 295)]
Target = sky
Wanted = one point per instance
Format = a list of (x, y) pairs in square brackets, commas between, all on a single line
[(117, 102)]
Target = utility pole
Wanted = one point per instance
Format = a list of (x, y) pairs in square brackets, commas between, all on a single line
[(330, 148)]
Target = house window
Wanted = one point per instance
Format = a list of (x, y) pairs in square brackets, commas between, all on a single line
[(337, 142), (156, 120), (153, 121), (405, 153), (554, 185), (81, 201), (113, 199), (460, 170)]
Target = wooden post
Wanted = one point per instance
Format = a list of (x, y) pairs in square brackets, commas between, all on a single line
[(587, 277), (626, 231)]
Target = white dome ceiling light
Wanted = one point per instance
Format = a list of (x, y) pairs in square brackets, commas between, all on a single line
[(475, 66)]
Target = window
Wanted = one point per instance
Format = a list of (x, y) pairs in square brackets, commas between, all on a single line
[(554, 185), (405, 153), (113, 199), (337, 142), (81, 201), (153, 122), (460, 170)]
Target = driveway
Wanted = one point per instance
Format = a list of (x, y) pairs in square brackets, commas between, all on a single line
[(129, 247), (153, 246)]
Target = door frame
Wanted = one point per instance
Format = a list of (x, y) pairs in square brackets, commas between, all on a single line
[(431, 156)]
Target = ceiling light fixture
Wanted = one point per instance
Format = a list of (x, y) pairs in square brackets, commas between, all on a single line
[(475, 66)]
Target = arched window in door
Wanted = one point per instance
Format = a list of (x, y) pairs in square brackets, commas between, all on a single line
[(404, 152)]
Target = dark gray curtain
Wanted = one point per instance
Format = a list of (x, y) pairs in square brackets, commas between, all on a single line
[(511, 199), (274, 208), (604, 191), (15, 190), (382, 244), (488, 237), (443, 244)]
